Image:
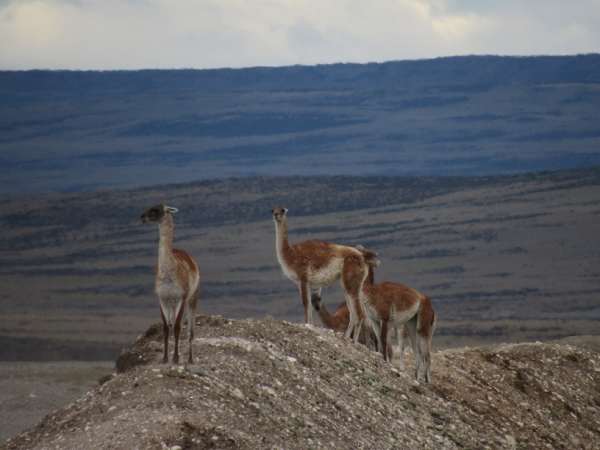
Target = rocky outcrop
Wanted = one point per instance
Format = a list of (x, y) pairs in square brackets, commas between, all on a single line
[(273, 384)]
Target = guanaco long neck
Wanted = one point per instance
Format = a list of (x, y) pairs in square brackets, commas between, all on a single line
[(281, 239), (328, 320), (166, 260), (369, 281)]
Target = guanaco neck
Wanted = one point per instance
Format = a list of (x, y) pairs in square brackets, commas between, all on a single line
[(371, 276), (281, 240), (328, 320), (166, 260), (369, 282)]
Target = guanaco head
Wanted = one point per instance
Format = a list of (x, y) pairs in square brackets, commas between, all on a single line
[(369, 256), (315, 299), (279, 214), (156, 213)]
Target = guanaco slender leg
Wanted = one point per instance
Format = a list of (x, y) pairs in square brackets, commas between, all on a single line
[(165, 337), (399, 332), (352, 318), (384, 340), (311, 308), (411, 326), (177, 332), (375, 326), (305, 300), (358, 329), (191, 317), (353, 275), (190, 339)]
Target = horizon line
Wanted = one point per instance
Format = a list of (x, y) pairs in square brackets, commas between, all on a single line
[(326, 64)]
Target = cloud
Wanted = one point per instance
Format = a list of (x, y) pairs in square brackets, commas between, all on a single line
[(122, 34)]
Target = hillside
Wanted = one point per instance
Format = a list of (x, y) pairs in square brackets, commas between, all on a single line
[(503, 258), (268, 384), (81, 131)]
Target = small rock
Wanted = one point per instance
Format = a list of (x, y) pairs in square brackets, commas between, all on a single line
[(511, 441), (238, 394), (269, 390)]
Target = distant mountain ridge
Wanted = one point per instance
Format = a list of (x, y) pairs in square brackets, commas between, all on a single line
[(456, 70), (468, 115)]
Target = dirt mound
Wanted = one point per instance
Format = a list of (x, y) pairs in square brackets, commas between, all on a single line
[(273, 384)]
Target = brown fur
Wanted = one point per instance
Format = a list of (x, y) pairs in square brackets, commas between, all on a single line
[(353, 276), (313, 254), (387, 298), (385, 295), (186, 267), (313, 264), (177, 274), (338, 321), (426, 317)]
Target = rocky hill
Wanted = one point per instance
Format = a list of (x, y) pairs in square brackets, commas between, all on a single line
[(273, 384)]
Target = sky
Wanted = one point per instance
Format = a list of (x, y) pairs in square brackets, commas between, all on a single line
[(135, 34)]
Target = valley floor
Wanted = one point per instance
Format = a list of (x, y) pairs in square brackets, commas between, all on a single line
[(30, 390), (504, 259)]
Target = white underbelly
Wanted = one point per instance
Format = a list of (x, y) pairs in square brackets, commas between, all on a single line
[(170, 296), (167, 288), (327, 274), (400, 317)]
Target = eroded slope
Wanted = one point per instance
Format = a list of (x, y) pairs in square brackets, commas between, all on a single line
[(273, 384)]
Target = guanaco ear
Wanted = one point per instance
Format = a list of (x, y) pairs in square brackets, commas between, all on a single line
[(171, 209), (285, 210)]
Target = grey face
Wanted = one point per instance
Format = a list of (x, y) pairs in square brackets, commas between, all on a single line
[(279, 213), (153, 214)]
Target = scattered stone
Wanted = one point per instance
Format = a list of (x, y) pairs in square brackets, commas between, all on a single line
[(282, 385), (238, 394)]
